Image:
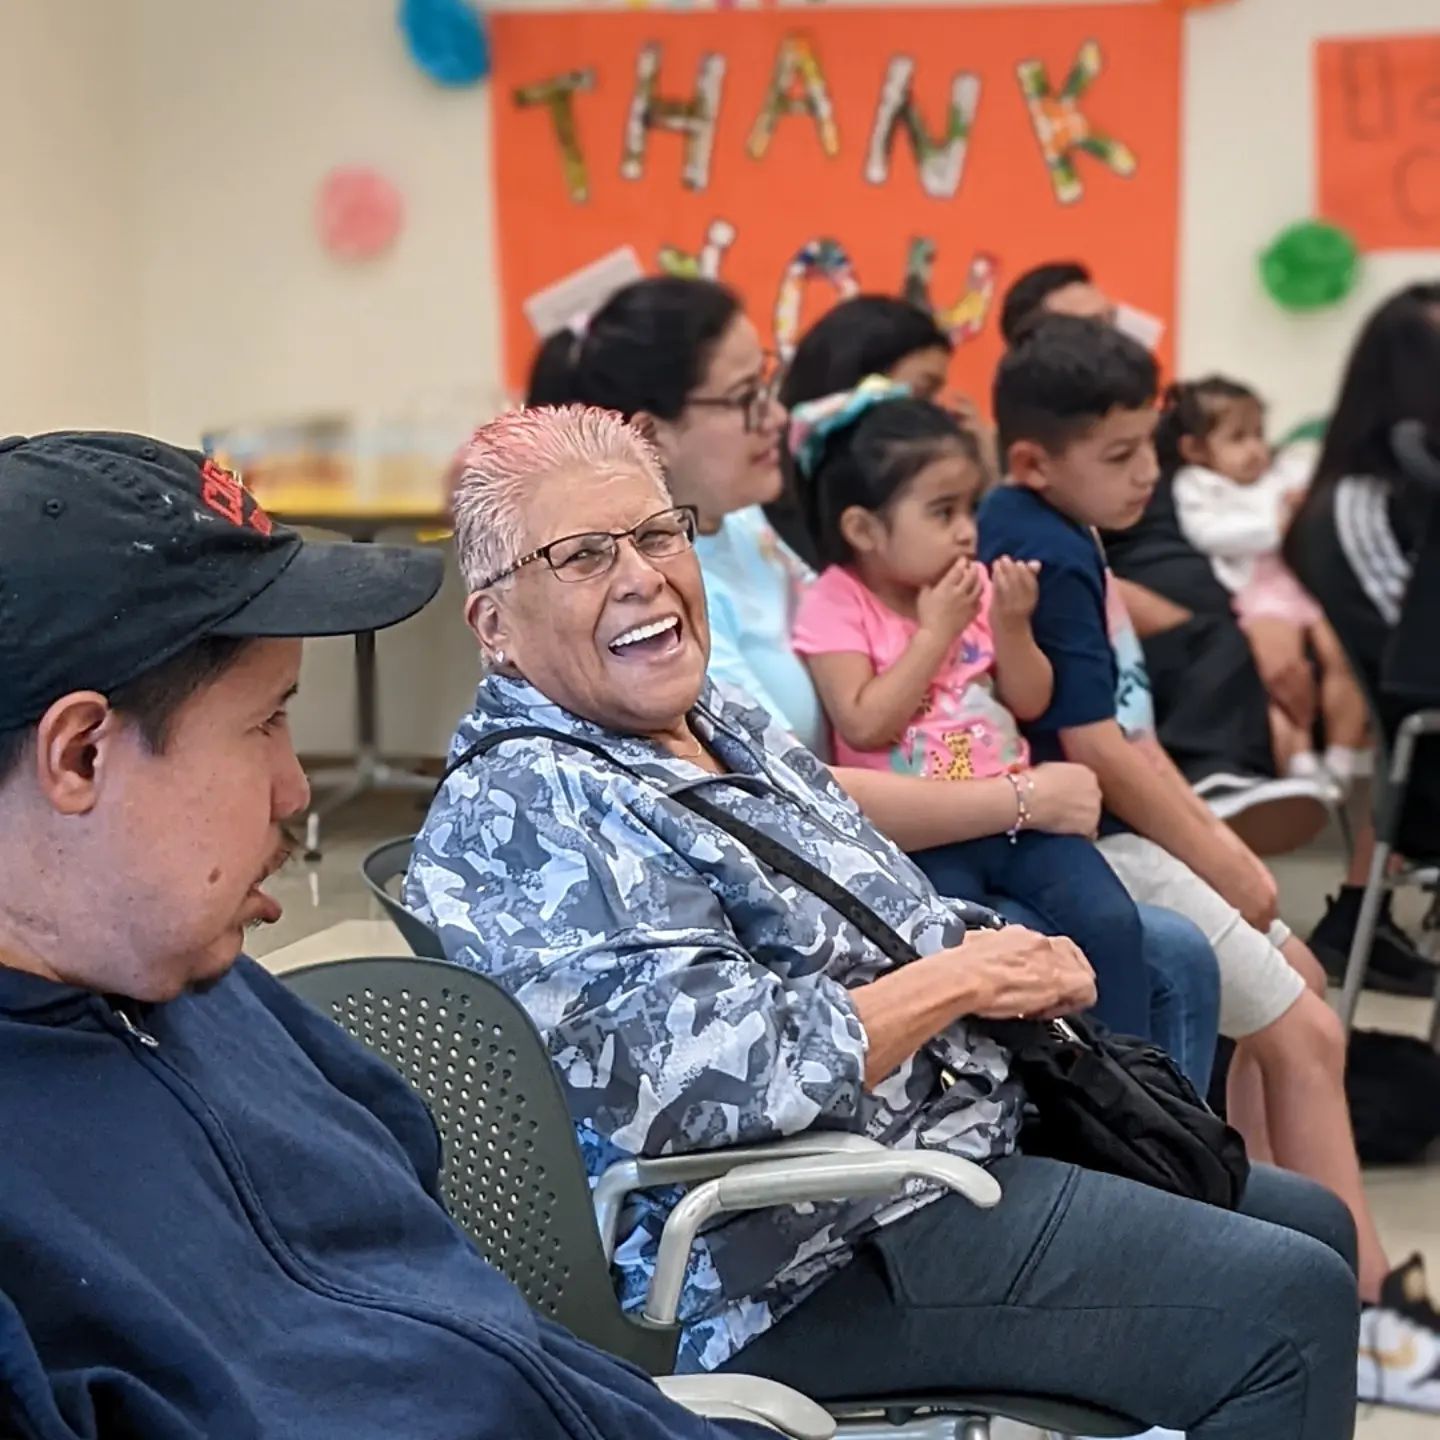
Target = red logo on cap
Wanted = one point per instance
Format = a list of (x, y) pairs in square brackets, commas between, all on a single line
[(223, 493)]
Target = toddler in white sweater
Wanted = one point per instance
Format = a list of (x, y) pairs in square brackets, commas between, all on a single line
[(1234, 500)]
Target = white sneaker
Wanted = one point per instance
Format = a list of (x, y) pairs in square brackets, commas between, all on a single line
[(1307, 768), (1399, 1361), (1346, 766)]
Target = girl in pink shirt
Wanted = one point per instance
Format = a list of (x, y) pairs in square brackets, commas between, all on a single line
[(926, 663)]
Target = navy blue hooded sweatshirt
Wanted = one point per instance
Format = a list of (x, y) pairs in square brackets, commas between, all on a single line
[(230, 1229)]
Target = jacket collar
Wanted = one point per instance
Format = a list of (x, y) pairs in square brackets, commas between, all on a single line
[(503, 703), (24, 994)]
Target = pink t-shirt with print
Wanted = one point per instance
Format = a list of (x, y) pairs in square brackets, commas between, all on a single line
[(962, 732)]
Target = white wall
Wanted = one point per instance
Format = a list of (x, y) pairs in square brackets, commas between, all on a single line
[(246, 104), (1249, 171), (71, 350), (198, 225)]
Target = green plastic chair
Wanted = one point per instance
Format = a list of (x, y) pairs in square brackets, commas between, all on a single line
[(384, 870), (513, 1179)]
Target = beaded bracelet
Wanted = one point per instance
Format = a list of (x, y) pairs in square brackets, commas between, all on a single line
[(1020, 784)]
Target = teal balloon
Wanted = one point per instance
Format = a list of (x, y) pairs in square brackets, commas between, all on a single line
[(446, 39), (1310, 265)]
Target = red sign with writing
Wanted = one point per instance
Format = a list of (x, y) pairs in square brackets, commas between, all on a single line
[(1378, 114)]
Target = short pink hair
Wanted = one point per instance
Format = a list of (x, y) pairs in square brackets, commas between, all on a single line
[(504, 459)]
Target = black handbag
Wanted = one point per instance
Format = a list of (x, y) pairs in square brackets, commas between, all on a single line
[(1101, 1102), (1121, 1105)]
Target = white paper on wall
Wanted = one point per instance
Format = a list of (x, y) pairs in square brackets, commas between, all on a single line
[(1139, 325), (582, 292)]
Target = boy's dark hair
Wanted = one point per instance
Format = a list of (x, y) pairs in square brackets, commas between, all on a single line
[(645, 349), (871, 462), (865, 335), (150, 701), (1025, 300), (1065, 376), (1193, 407)]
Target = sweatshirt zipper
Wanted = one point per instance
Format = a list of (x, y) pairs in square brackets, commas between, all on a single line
[(142, 1037)]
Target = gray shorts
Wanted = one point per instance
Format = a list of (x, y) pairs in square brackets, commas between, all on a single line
[(1257, 984)]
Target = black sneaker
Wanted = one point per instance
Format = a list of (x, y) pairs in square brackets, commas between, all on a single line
[(1396, 967), (1399, 1360)]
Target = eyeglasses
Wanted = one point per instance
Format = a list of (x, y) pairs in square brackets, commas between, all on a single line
[(754, 401), (590, 555)]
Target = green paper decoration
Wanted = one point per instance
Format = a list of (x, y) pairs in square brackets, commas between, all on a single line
[(1310, 265)]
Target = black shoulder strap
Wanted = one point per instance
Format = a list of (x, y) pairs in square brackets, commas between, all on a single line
[(778, 857), (488, 742)]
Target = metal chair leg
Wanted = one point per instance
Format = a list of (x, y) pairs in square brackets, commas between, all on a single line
[(1359, 960), (1429, 948)]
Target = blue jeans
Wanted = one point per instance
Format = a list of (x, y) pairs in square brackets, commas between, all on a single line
[(1184, 992), (1226, 1325), (1184, 982), (1066, 888)]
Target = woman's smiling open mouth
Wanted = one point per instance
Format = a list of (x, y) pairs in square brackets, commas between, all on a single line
[(655, 639)]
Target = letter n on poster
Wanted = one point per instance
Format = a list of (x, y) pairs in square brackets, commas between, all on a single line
[(1378, 146)]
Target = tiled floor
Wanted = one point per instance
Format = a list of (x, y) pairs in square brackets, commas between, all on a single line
[(329, 915)]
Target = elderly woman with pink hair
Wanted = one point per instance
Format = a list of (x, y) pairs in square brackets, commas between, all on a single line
[(599, 848)]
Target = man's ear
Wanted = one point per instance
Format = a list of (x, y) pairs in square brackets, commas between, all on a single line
[(72, 744), (486, 619), (861, 529), (1192, 449), (1028, 462)]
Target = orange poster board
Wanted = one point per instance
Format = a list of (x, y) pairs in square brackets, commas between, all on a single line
[(797, 154), (1378, 115)]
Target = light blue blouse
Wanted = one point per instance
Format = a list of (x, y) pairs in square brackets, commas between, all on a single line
[(752, 580)]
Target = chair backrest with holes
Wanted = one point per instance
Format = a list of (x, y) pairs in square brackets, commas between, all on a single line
[(382, 867), (512, 1175)]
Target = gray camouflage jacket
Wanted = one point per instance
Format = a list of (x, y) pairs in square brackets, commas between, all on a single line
[(691, 997)]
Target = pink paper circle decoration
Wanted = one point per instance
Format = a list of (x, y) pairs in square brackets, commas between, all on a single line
[(359, 213)]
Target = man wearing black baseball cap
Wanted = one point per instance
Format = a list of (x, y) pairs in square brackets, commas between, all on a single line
[(219, 1215), (148, 615)]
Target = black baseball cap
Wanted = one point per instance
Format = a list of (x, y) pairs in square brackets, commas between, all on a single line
[(117, 552)]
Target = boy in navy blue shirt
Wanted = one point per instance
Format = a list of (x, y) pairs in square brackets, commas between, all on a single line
[(1075, 410)]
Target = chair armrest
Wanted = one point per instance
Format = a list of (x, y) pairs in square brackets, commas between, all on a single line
[(622, 1179), (1420, 722), (806, 1179), (1390, 796), (747, 1397)]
